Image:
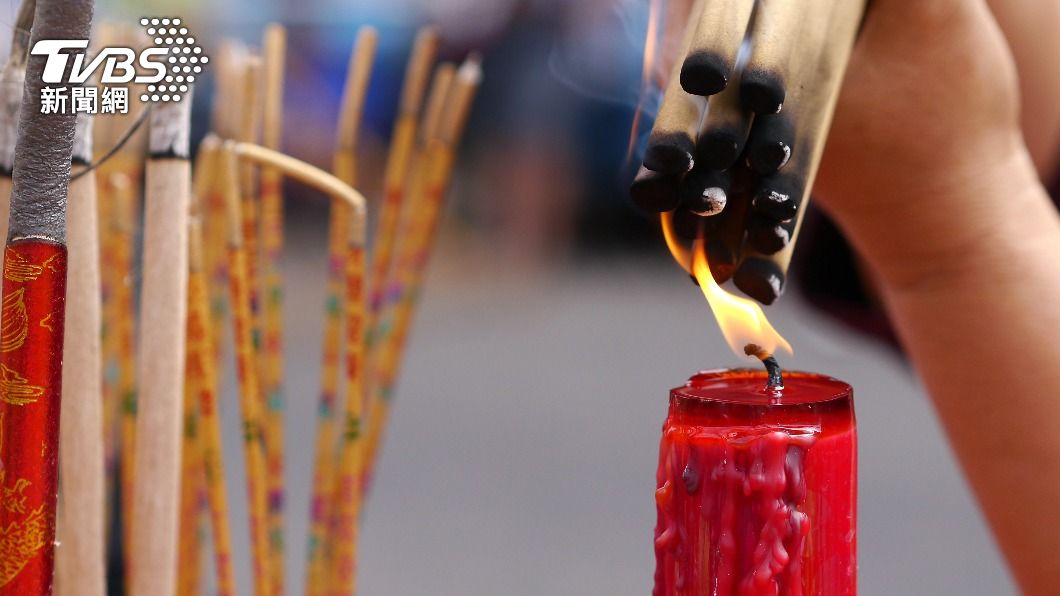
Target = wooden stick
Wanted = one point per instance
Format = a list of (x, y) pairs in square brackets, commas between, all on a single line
[(80, 562), (33, 290), (711, 59), (415, 254), (825, 43), (274, 47), (778, 36), (345, 168), (671, 143), (247, 372), (163, 307), (201, 372)]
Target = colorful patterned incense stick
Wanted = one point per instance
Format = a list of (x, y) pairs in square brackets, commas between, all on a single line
[(345, 167), (274, 46), (201, 373), (415, 250)]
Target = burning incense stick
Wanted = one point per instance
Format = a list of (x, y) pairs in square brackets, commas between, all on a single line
[(80, 562), (201, 371), (712, 53), (247, 371), (671, 143), (163, 308), (274, 46), (777, 29), (653, 192), (415, 251), (724, 132), (34, 293), (824, 47), (345, 166)]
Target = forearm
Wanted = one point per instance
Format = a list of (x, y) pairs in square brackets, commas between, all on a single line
[(979, 320)]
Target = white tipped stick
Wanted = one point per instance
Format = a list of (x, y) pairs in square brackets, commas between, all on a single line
[(163, 307)]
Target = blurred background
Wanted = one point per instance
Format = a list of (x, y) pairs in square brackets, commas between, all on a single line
[(522, 451)]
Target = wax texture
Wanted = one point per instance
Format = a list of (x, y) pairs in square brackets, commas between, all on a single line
[(756, 488)]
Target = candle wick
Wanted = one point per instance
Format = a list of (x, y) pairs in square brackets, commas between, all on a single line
[(774, 376)]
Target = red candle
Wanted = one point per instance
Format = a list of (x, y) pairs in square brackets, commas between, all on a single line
[(756, 487)]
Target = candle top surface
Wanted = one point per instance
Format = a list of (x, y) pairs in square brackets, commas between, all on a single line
[(748, 387)]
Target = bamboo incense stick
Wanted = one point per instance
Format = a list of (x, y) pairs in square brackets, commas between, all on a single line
[(80, 562), (274, 47), (345, 168), (190, 540), (705, 191), (247, 372), (34, 288), (201, 372), (163, 308), (357, 226), (416, 246), (711, 59), (724, 131), (777, 37), (399, 159), (825, 44), (671, 143)]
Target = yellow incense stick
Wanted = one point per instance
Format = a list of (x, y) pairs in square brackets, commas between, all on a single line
[(415, 250), (345, 168), (247, 373), (271, 355), (201, 370), (356, 205), (190, 545), (402, 143)]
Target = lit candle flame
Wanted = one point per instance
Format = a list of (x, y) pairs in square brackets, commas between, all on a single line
[(741, 320)]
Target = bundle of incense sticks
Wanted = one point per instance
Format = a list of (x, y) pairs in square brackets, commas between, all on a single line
[(732, 155)]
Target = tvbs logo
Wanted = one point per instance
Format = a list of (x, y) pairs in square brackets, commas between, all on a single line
[(167, 69)]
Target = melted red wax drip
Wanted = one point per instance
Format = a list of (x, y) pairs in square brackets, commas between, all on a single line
[(31, 348), (756, 490)]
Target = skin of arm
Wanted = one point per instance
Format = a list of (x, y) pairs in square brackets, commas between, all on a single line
[(928, 174)]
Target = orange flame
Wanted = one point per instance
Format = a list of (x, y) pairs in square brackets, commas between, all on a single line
[(741, 320)]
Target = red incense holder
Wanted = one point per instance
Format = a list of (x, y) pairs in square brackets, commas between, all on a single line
[(757, 488), (31, 350)]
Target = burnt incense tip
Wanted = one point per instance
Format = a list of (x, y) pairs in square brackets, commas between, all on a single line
[(777, 201), (670, 153), (653, 192), (774, 376), (170, 129), (762, 92), (719, 148), (760, 278), (768, 236), (770, 144), (705, 192), (705, 73), (721, 259)]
